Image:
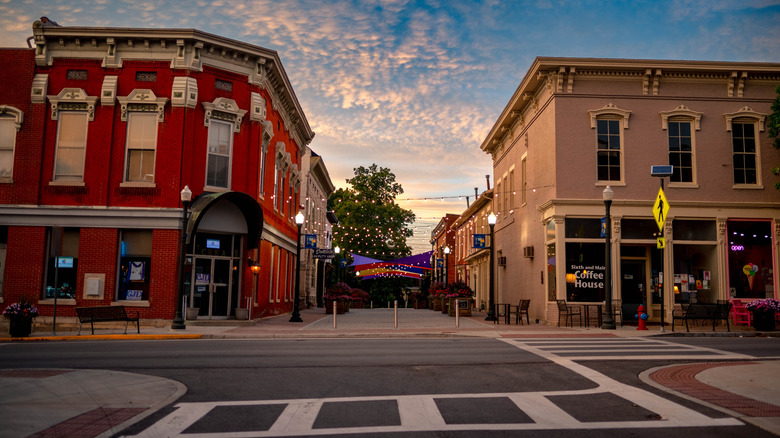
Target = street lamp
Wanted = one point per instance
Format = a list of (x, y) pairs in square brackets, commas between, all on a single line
[(186, 197), (491, 316), (296, 314), (447, 265), (608, 323)]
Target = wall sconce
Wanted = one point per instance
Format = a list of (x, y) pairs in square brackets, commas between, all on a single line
[(254, 266)]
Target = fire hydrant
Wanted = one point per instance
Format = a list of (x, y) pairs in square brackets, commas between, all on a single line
[(641, 317)]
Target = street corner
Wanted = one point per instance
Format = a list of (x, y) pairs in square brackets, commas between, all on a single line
[(67, 402)]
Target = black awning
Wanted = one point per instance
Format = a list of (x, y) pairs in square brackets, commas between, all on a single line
[(253, 214)]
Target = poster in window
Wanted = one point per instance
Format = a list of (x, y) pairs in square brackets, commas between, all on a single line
[(134, 295), (137, 271)]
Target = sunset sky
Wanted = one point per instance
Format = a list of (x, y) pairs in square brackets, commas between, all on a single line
[(415, 86)]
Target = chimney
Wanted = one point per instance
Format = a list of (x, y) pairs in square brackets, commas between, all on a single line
[(467, 202), (487, 177)]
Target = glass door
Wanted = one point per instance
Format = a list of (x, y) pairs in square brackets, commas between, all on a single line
[(211, 293)]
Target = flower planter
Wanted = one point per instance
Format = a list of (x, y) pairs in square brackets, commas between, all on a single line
[(358, 304), (764, 321), (421, 304), (341, 307), (445, 305), (464, 307), (436, 304), (20, 327)]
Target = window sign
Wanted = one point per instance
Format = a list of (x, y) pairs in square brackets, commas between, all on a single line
[(202, 278), (585, 272), (212, 243), (134, 295), (64, 262)]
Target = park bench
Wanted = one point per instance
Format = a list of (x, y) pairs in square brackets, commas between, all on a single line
[(703, 311), (92, 315)]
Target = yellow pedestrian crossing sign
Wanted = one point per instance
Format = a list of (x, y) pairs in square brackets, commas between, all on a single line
[(660, 209), (661, 242)]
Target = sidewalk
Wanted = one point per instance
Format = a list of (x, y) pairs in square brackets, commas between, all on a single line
[(58, 402)]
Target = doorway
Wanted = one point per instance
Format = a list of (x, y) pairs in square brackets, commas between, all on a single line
[(212, 289), (633, 286)]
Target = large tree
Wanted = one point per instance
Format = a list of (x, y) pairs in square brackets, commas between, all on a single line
[(774, 130), (370, 223)]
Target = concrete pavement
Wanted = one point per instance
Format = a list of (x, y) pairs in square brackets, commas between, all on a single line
[(55, 403)]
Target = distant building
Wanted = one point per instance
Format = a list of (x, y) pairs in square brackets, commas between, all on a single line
[(472, 248), (443, 237), (575, 126), (100, 131), (317, 188)]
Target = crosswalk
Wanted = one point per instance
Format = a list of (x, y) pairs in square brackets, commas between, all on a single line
[(620, 349), (630, 407)]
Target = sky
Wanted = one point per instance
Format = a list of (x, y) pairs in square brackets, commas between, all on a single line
[(415, 86)]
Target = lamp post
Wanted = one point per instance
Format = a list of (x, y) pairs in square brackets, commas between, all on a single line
[(491, 316), (608, 323), (186, 197), (447, 265), (296, 314), (337, 251)]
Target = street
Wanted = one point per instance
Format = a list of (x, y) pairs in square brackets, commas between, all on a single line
[(424, 387)]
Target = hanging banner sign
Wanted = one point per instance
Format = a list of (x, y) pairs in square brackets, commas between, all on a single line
[(439, 263), (311, 241), (479, 240)]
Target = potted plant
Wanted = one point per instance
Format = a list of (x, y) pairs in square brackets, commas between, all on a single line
[(340, 293), (462, 292), (20, 317), (764, 313), (359, 298), (436, 291), (419, 299)]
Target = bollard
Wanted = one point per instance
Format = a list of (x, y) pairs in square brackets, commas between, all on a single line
[(334, 313), (395, 312), (641, 317), (457, 314)]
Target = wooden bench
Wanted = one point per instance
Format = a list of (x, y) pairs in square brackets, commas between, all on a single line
[(703, 311), (92, 315)]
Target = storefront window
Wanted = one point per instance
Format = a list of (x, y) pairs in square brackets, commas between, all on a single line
[(552, 293), (583, 228), (62, 263), (218, 245), (750, 259), (638, 229), (585, 271), (135, 264)]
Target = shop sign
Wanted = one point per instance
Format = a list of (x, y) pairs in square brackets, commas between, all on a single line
[(324, 253), (585, 281)]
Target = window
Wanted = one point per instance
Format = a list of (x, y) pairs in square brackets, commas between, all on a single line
[(608, 149), (219, 154), (3, 246), (7, 143), (512, 189), (135, 264), (263, 155), (498, 198), (276, 187), (141, 146), (62, 263), (71, 146), (681, 151), (745, 157), (524, 181)]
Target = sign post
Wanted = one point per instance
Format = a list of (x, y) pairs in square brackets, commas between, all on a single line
[(660, 213)]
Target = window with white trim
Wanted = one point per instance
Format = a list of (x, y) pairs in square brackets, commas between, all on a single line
[(524, 180), (141, 146), (220, 152), (71, 146), (745, 152), (681, 151), (7, 146), (608, 150)]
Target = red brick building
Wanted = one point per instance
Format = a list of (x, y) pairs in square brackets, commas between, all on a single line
[(100, 131)]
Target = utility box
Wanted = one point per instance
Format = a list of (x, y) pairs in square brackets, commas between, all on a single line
[(93, 286)]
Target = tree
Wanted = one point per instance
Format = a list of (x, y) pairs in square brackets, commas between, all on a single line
[(370, 223), (774, 130)]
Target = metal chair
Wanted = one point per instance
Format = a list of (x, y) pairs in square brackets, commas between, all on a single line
[(740, 314), (568, 313), (522, 309)]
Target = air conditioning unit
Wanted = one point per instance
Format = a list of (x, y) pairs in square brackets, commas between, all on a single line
[(502, 261), (528, 252)]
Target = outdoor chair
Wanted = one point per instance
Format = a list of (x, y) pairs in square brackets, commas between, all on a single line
[(740, 314), (568, 312), (522, 309)]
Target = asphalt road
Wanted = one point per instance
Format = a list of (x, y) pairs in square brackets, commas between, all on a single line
[(368, 387)]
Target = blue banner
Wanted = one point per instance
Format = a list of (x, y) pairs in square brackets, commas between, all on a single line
[(311, 241), (479, 240)]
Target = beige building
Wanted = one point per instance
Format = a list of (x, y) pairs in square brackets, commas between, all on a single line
[(473, 260), (575, 126)]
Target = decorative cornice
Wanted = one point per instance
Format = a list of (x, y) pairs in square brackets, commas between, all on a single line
[(73, 99), (610, 109), (143, 100), (224, 109), (745, 112), (16, 113), (681, 111), (40, 86)]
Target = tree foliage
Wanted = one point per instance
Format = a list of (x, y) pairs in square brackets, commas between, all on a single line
[(774, 130), (370, 223)]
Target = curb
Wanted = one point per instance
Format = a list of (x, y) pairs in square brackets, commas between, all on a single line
[(101, 338)]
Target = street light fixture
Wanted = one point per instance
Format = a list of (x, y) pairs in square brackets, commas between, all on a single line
[(186, 197), (337, 251), (296, 314), (447, 265), (491, 316), (608, 323)]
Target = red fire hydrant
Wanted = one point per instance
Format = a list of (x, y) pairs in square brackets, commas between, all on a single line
[(641, 317)]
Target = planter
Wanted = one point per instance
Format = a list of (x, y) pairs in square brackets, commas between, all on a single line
[(358, 304), (241, 313), (464, 307), (436, 304), (192, 313), (764, 321), (341, 307), (20, 327), (421, 304), (445, 305)]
